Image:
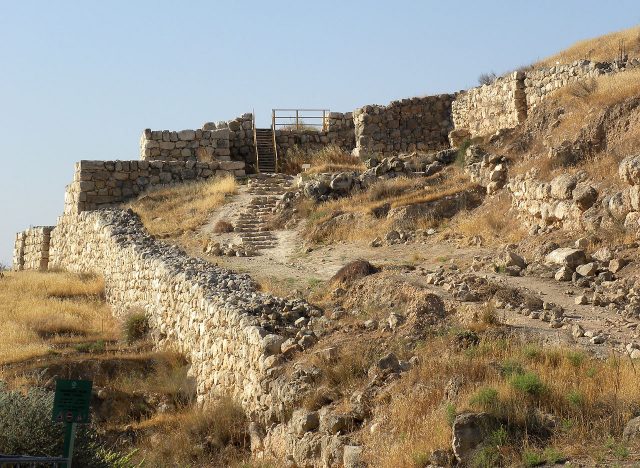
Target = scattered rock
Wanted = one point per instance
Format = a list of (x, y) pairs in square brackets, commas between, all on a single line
[(469, 431), (567, 256)]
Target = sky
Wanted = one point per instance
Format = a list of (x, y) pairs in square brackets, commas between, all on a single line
[(82, 79)]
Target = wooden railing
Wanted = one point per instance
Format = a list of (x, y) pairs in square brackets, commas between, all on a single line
[(299, 119)]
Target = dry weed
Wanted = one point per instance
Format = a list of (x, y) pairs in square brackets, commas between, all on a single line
[(37, 309), (601, 49), (170, 211), (494, 221), (331, 158)]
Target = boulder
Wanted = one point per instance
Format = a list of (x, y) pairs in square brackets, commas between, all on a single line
[(629, 170), (352, 457), (469, 431), (584, 196), (563, 274), (513, 259), (562, 186), (304, 421), (588, 269), (604, 254), (632, 430), (567, 256), (390, 362), (617, 264)]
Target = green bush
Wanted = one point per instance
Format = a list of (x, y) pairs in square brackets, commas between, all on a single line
[(528, 383), (511, 367), (485, 398), (26, 428), (575, 398), (136, 327), (576, 358), (94, 347), (450, 412), (532, 458)]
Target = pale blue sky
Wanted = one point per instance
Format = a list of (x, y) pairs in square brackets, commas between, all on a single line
[(82, 79)]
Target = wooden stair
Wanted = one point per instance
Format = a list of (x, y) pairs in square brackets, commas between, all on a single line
[(266, 150)]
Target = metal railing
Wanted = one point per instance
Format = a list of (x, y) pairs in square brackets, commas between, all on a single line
[(16, 461), (300, 119)]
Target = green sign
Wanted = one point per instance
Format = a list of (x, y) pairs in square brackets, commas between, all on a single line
[(71, 401)]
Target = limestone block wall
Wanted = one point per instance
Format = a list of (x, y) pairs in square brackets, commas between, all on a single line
[(31, 249), (340, 132), (230, 332), (99, 184), (420, 123), (185, 145), (542, 81), (489, 108)]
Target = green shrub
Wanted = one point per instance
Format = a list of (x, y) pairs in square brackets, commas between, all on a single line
[(461, 154), (136, 327), (421, 459), (486, 398), (575, 398), (511, 367), (532, 458), (532, 352), (528, 383), (94, 347), (450, 412), (576, 358), (26, 428)]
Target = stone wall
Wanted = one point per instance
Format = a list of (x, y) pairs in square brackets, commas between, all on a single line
[(486, 109), (221, 141), (542, 81), (340, 132), (99, 184), (230, 333), (31, 249), (421, 123)]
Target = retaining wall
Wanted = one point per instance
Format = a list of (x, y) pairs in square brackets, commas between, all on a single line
[(410, 124), (230, 332), (100, 184), (31, 249), (486, 109), (221, 141)]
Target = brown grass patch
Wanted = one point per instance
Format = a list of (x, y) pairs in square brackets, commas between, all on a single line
[(214, 436), (223, 226), (354, 218), (171, 211), (331, 158), (495, 221), (601, 49), (37, 306), (590, 400)]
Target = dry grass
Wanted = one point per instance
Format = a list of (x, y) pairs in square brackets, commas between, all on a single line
[(601, 49), (353, 218), (494, 221), (331, 158), (38, 309), (589, 399), (171, 211), (213, 436)]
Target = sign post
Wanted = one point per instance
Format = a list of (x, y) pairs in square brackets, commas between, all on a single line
[(71, 406)]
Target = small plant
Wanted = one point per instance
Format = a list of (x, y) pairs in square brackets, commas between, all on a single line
[(450, 413), (511, 367), (532, 352), (583, 88), (489, 315), (421, 459), (575, 398), (532, 458), (136, 327), (487, 78), (528, 383), (485, 398), (223, 226), (94, 347), (461, 154), (576, 358), (553, 455)]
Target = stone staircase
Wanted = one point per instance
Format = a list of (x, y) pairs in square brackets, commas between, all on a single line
[(266, 150), (251, 225)]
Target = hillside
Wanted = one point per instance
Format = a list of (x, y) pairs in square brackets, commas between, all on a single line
[(447, 280)]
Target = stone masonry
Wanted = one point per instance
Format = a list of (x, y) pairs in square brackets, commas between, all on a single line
[(99, 184), (230, 332), (31, 249), (340, 132), (421, 123), (486, 109)]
